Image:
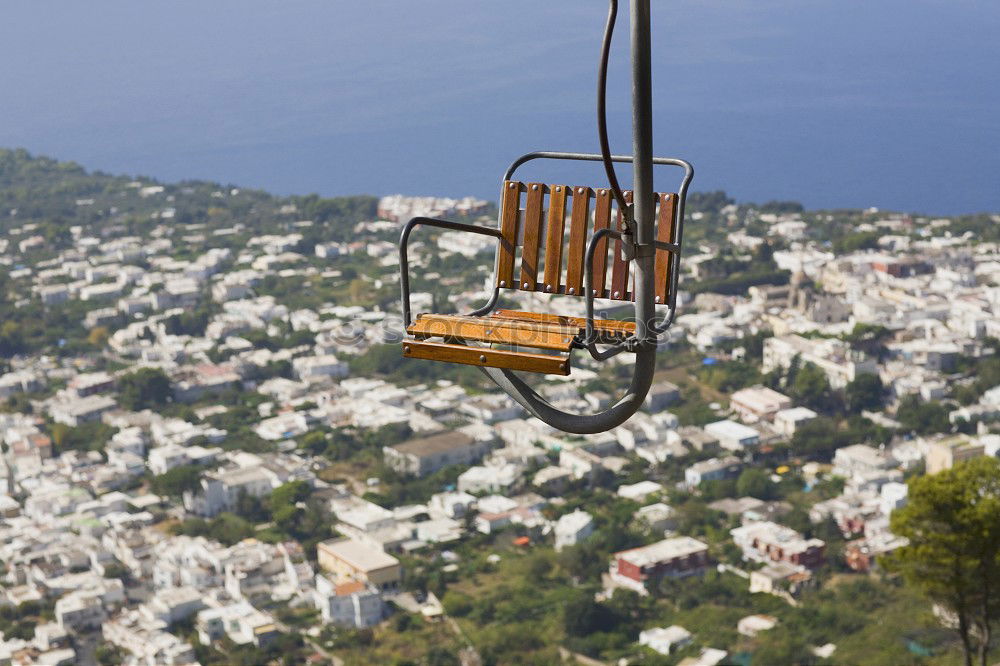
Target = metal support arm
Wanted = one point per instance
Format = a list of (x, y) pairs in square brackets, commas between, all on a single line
[(404, 261)]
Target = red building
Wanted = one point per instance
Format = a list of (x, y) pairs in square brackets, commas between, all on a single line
[(675, 557), (765, 541)]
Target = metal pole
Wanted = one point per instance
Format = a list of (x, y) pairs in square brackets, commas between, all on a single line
[(642, 172)]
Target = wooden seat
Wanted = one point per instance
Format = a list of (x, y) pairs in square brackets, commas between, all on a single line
[(551, 261), (498, 330), (509, 328), (609, 327), (546, 364)]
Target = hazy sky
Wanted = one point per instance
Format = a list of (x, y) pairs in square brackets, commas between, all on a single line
[(889, 103)]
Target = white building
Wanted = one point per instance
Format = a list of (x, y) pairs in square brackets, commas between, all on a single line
[(758, 403), (713, 469), (834, 357), (147, 640), (241, 622), (173, 604), (751, 625), (657, 517), (638, 492), (787, 421), (490, 479), (733, 436), (665, 640), (307, 367), (221, 489), (860, 460), (893, 496), (351, 604), (76, 411), (573, 528), (451, 504)]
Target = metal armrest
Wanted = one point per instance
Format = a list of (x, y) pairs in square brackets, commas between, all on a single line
[(588, 273), (404, 262), (588, 281)]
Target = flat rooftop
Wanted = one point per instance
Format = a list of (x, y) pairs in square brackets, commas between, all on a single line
[(359, 555), (428, 446), (662, 551)]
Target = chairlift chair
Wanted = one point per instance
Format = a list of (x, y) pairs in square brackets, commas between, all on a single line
[(554, 239)]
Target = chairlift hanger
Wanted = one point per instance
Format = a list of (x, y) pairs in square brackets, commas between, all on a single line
[(646, 229)]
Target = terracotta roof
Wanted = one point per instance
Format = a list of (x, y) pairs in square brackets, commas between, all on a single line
[(349, 588)]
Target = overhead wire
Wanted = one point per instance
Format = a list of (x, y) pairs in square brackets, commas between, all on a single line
[(602, 110)]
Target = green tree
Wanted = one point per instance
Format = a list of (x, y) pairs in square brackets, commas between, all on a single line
[(817, 438), (456, 604), (297, 516), (90, 436), (315, 442), (98, 336), (226, 528), (921, 417), (953, 556), (868, 338), (145, 388), (439, 656), (755, 483), (583, 616), (290, 493), (783, 648), (60, 434), (108, 654), (729, 376), (864, 392), (174, 482), (811, 388), (11, 339), (859, 240)]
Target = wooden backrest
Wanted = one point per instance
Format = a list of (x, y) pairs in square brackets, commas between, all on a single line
[(533, 222)]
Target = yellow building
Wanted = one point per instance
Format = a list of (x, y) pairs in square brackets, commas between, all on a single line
[(944, 453), (349, 560)]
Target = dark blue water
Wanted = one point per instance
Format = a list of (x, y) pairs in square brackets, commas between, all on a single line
[(888, 103)]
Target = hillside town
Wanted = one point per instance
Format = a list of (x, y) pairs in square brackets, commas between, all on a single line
[(223, 458)]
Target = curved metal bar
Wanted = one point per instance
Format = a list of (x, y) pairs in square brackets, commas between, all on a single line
[(605, 354), (490, 305), (594, 157), (581, 424), (404, 261), (675, 256), (588, 278)]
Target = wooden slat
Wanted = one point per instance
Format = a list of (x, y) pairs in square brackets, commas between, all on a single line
[(508, 229), (579, 323), (552, 326), (532, 236), (520, 333), (602, 220), (554, 239), (619, 267), (665, 229), (491, 358), (575, 253)]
